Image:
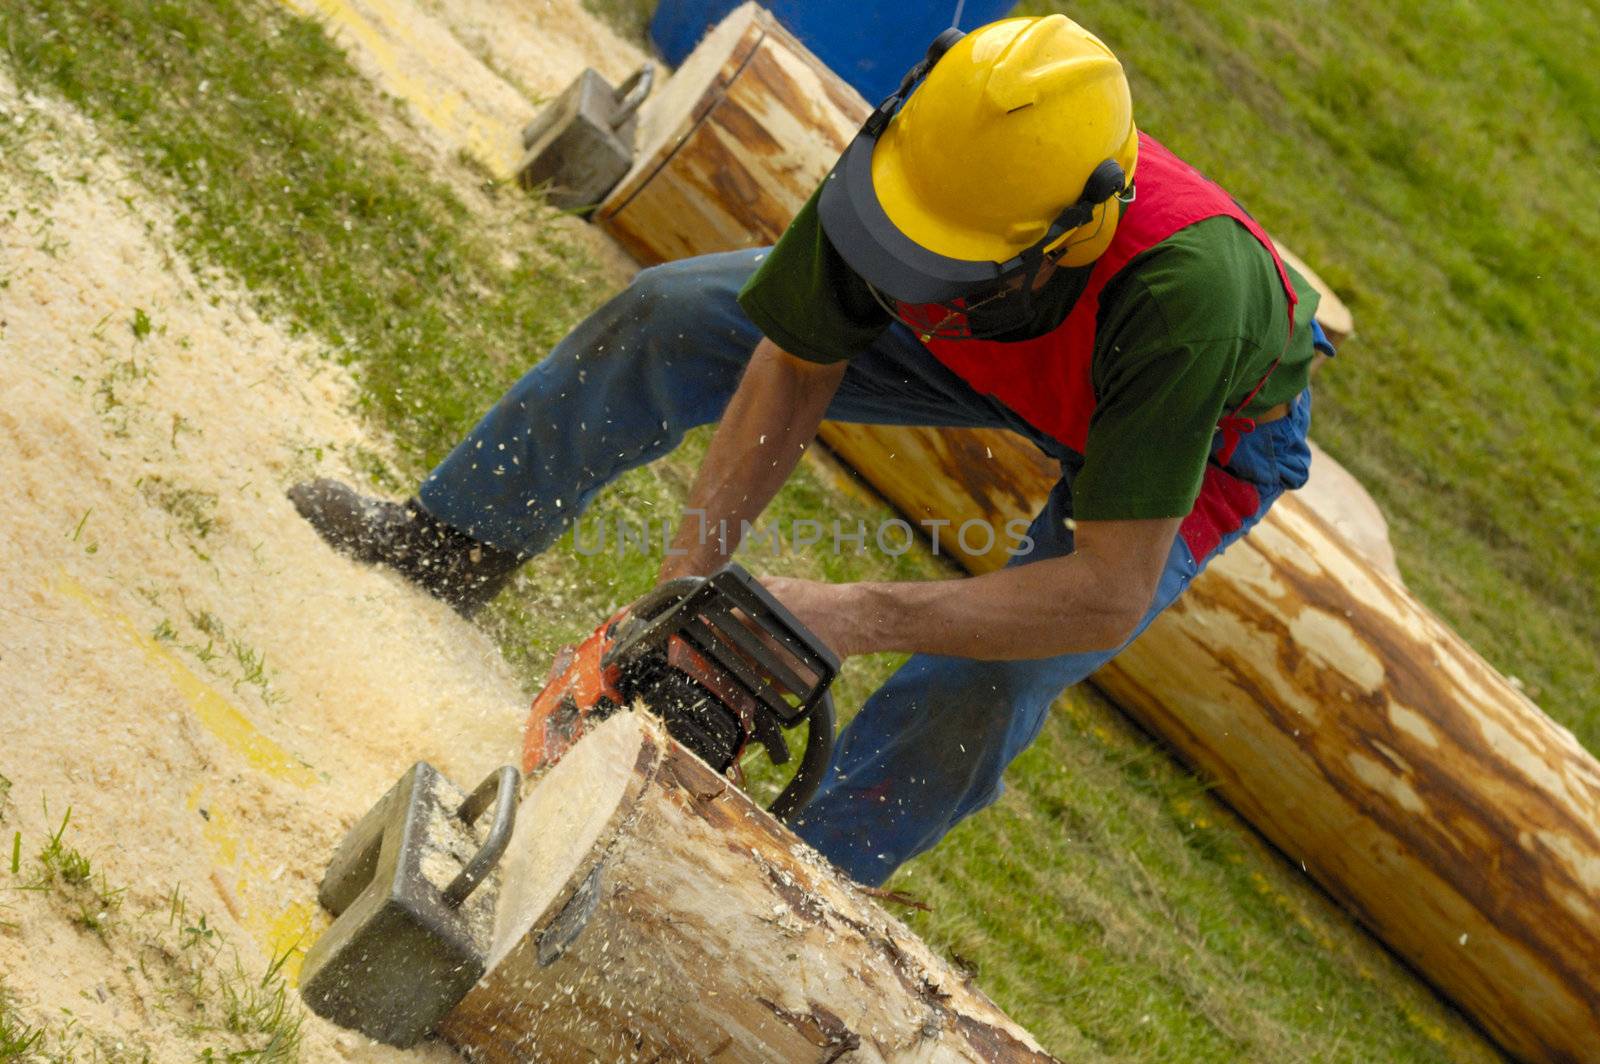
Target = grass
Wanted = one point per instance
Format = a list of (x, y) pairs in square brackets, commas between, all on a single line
[(191, 978), (1154, 925), (1437, 164), (221, 654), (630, 18), (58, 861), (193, 509), (216, 996), (66, 875), (1109, 902), (18, 1039)]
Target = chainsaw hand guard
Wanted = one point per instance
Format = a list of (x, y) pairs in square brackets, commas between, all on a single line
[(719, 659)]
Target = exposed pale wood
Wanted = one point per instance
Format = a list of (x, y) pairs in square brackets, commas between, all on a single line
[(1334, 317), (674, 109), (948, 474), (1335, 495), (1355, 730), (998, 476), (1343, 719), (659, 914)]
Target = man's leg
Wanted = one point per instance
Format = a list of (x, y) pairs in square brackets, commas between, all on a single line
[(659, 358), (622, 388), (929, 747)]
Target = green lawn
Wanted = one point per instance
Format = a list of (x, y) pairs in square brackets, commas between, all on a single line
[(1439, 164), (1436, 166)]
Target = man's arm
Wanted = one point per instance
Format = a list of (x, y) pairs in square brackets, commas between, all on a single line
[(1092, 599), (771, 419)]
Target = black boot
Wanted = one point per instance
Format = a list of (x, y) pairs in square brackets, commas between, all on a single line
[(445, 562)]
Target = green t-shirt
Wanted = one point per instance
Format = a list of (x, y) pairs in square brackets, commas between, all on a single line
[(1186, 330)]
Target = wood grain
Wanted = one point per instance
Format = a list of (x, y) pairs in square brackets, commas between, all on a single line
[(665, 916)]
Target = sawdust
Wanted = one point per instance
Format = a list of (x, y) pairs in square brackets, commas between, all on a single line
[(471, 74), (457, 104), (212, 692), (539, 46)]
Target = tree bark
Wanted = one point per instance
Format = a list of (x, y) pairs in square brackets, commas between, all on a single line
[(652, 912), (1338, 715)]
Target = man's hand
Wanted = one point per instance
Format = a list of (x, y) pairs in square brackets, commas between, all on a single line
[(821, 607), (1090, 600)]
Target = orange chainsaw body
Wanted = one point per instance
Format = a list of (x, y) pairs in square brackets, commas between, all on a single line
[(578, 685), (717, 658)]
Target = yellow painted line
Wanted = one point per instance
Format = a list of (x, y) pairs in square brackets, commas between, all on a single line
[(255, 890), (254, 895), (214, 712), (399, 52)]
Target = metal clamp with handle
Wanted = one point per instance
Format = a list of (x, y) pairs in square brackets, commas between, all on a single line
[(407, 944), (581, 144)]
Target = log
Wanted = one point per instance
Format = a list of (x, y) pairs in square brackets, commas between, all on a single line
[(744, 130), (1334, 317), (651, 911), (1338, 715), (1337, 497), (1351, 727)]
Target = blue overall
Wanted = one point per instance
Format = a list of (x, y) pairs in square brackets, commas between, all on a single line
[(929, 747)]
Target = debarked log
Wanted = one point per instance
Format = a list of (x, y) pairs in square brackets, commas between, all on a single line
[(1339, 716), (651, 912)]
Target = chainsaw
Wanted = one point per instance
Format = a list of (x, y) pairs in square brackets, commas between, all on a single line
[(718, 659)]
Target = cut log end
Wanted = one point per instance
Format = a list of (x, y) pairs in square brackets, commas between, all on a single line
[(652, 911)]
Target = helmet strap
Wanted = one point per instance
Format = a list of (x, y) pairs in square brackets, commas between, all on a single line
[(884, 111)]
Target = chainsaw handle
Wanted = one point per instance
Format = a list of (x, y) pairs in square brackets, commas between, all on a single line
[(700, 611), (813, 763), (652, 602)]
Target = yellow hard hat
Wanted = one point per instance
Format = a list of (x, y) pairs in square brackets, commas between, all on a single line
[(1016, 144)]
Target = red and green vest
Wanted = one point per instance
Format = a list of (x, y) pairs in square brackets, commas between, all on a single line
[(1047, 379)]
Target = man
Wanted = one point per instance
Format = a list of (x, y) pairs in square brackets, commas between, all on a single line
[(999, 247)]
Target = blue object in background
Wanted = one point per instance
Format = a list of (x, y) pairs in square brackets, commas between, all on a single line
[(869, 43)]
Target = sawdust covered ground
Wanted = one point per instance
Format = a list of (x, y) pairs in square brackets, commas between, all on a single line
[(538, 45), (472, 73), (214, 695)]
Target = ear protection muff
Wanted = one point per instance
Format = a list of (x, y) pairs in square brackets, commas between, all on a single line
[(1106, 181)]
